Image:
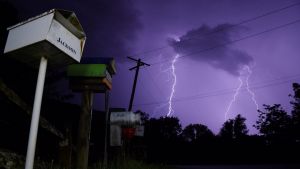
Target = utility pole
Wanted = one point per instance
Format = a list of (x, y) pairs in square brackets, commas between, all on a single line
[(137, 68)]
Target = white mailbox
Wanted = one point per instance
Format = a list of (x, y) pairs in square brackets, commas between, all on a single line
[(125, 118), (56, 35)]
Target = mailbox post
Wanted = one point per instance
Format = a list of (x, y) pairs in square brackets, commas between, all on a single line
[(94, 75), (56, 36)]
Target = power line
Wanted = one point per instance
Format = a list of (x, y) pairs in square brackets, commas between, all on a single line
[(153, 81), (287, 78), (233, 41), (229, 27), (222, 92), (213, 95)]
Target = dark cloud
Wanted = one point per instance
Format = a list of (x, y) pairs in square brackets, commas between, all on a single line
[(111, 25), (206, 44)]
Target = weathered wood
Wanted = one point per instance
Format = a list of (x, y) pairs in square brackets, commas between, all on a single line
[(65, 150), (16, 99), (106, 127), (84, 128)]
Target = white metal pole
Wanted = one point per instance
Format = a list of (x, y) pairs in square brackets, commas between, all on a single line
[(36, 114)]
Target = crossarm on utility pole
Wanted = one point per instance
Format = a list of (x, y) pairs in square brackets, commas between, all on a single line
[(139, 63)]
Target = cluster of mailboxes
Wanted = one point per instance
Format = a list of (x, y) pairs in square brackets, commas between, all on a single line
[(94, 74), (58, 36)]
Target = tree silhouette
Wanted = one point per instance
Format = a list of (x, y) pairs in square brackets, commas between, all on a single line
[(296, 112), (162, 137), (240, 128), (166, 128), (196, 133), (226, 131), (274, 123), (144, 116), (234, 128)]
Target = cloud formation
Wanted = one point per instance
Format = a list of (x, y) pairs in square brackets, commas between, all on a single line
[(206, 44)]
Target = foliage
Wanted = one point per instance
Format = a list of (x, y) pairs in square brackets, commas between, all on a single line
[(296, 101), (196, 133), (10, 160), (166, 128), (296, 112), (144, 116), (240, 129), (227, 129), (273, 123), (234, 128), (161, 136)]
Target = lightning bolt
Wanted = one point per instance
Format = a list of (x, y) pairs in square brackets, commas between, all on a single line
[(237, 91), (248, 88), (163, 106), (171, 77), (170, 110)]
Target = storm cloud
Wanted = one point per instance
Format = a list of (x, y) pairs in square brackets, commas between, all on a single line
[(207, 44), (111, 26)]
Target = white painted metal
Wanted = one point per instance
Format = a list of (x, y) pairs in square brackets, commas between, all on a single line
[(36, 114), (108, 76), (115, 135), (63, 39), (39, 32), (30, 33), (139, 130), (124, 118)]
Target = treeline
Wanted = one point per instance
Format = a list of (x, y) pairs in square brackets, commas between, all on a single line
[(278, 140)]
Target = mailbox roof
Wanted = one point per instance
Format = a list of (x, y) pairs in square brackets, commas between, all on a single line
[(62, 16), (110, 62), (87, 70), (70, 17)]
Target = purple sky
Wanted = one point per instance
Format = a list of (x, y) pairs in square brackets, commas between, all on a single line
[(206, 80)]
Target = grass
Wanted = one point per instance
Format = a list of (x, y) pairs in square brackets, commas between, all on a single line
[(130, 164)]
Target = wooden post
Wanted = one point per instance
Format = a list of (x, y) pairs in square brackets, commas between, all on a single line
[(65, 149), (106, 128), (84, 128), (134, 84)]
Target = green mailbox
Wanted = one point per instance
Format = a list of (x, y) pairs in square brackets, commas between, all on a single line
[(94, 74)]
